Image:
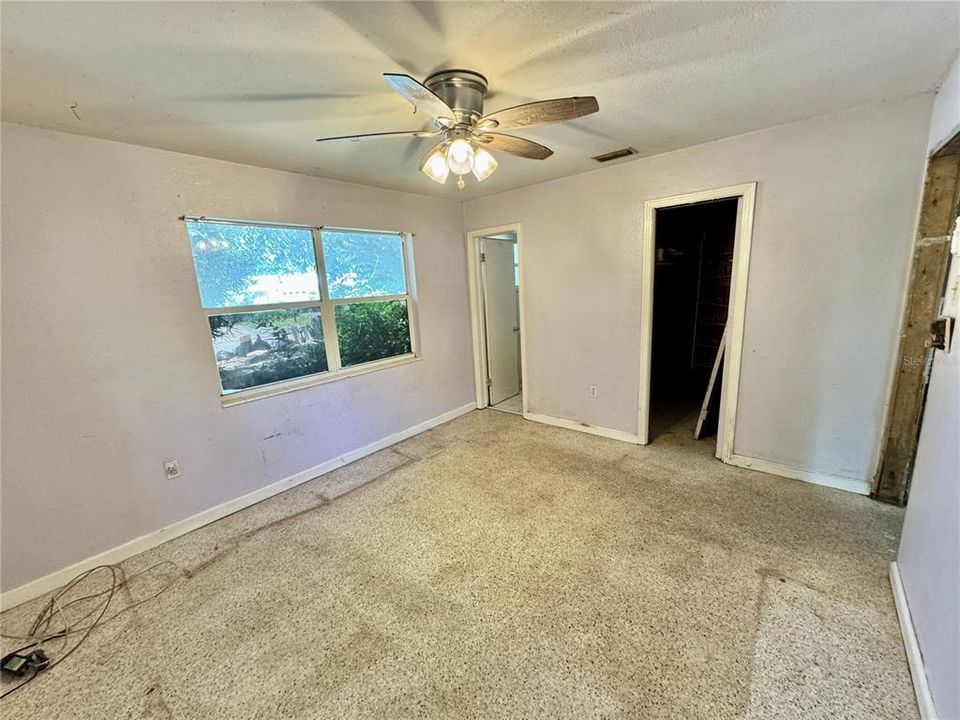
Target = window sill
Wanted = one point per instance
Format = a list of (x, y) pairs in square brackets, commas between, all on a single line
[(244, 396)]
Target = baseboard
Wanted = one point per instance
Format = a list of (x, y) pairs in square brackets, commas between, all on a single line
[(838, 482), (45, 584), (912, 647), (583, 427)]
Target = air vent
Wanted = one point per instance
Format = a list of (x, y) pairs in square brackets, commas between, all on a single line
[(615, 155)]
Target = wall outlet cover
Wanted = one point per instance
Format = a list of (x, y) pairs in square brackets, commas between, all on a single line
[(172, 469)]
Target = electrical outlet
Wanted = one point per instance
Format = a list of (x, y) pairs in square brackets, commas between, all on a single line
[(172, 469), (593, 391)]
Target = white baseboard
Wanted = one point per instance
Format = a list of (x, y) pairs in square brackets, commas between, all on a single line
[(838, 482), (45, 584), (583, 427), (912, 647)]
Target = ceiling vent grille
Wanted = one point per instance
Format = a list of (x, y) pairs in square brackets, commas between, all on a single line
[(615, 155)]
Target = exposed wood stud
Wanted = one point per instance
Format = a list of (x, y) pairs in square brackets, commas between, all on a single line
[(941, 195)]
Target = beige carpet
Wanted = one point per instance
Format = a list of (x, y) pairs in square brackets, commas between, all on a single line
[(497, 568)]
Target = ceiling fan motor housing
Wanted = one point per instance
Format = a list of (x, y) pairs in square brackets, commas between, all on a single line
[(462, 90)]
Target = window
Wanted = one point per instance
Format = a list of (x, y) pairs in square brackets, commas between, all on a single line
[(368, 291), (293, 303)]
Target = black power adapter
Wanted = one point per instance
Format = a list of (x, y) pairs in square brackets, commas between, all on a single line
[(18, 665)]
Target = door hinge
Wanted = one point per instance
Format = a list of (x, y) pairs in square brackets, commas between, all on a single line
[(489, 382), (483, 257)]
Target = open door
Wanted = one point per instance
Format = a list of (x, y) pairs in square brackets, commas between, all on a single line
[(501, 318)]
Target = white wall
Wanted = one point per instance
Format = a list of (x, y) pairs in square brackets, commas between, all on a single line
[(929, 558), (945, 121), (107, 366), (835, 217)]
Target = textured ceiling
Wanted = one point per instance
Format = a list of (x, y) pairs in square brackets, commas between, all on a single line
[(256, 83)]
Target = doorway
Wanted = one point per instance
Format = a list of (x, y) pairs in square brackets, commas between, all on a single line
[(695, 269), (496, 309), (691, 294)]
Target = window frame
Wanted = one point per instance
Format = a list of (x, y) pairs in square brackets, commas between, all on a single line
[(327, 307)]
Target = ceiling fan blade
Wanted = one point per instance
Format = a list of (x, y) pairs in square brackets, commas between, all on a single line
[(521, 147), (421, 97), (539, 113), (370, 136)]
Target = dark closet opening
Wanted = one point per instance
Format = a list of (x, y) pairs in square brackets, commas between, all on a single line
[(691, 294)]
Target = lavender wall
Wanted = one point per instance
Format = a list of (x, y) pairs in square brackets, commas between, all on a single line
[(107, 366), (835, 217), (929, 558)]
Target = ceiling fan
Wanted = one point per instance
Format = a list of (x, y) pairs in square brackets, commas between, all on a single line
[(453, 101)]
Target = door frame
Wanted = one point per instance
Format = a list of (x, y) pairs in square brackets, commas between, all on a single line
[(925, 286), (477, 324), (730, 385)]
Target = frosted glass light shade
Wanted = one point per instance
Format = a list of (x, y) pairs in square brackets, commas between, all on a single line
[(435, 167), (483, 165), (460, 156)]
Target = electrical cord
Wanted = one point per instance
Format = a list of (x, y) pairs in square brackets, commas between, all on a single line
[(46, 616), (73, 628), (17, 687), (40, 633)]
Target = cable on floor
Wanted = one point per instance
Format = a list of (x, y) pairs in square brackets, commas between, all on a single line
[(40, 631)]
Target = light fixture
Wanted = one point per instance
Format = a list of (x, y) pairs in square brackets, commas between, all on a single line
[(483, 165), (460, 156), (434, 166)]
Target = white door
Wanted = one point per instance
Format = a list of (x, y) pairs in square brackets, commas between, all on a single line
[(502, 319)]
